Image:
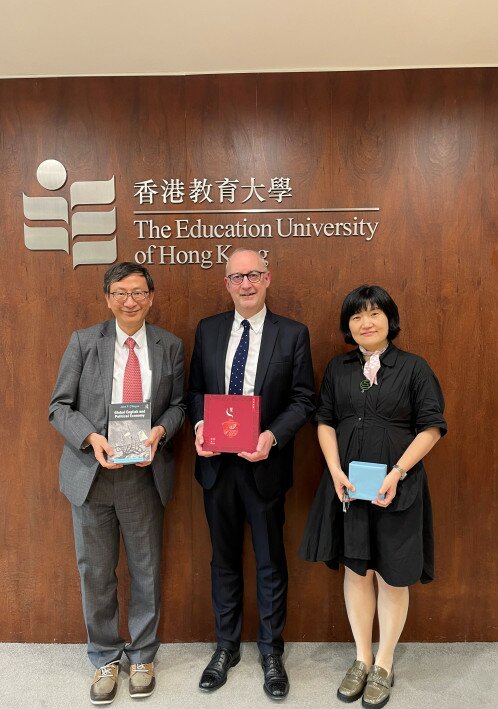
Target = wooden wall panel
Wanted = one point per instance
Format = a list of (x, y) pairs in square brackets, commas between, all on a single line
[(421, 145)]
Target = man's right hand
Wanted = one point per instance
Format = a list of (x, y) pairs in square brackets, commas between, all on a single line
[(101, 449), (199, 442)]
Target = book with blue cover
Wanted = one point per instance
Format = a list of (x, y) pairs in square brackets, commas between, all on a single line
[(367, 479)]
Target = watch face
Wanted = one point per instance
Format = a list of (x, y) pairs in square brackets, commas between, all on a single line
[(402, 472)]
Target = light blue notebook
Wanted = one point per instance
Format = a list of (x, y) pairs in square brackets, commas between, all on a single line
[(367, 479)]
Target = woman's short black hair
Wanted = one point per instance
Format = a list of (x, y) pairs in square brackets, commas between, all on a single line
[(123, 270), (363, 298)]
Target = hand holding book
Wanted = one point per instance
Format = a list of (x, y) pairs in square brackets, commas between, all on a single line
[(387, 491), (102, 451), (199, 443), (263, 448), (341, 483), (155, 436)]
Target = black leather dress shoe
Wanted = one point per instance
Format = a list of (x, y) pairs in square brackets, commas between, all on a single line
[(276, 683), (215, 674)]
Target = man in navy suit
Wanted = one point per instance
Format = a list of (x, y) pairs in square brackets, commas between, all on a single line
[(251, 485)]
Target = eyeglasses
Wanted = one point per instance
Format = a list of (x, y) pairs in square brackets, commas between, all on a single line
[(138, 295), (252, 277)]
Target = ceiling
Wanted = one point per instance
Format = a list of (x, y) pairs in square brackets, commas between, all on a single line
[(154, 37)]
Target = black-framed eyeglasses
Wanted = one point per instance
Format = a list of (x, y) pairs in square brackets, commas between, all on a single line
[(252, 277), (138, 295)]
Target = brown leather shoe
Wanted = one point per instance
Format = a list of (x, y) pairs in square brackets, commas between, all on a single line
[(378, 687), (142, 680), (353, 684), (105, 684)]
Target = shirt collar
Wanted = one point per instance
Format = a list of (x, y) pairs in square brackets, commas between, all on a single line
[(387, 358), (140, 336), (256, 321)]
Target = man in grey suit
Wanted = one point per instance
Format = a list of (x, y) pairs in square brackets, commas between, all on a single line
[(107, 498)]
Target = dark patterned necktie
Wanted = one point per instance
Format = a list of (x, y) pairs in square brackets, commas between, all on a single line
[(239, 361)]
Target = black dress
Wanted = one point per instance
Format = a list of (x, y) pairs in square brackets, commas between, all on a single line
[(377, 426)]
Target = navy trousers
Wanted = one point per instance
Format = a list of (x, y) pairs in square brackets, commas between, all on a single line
[(229, 503)]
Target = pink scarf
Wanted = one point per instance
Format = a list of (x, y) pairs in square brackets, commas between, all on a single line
[(372, 365)]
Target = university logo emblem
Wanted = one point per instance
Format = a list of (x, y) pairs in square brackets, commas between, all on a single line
[(85, 229)]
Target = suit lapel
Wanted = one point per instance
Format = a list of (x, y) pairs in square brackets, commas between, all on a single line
[(105, 350), (268, 339), (221, 350), (155, 361)]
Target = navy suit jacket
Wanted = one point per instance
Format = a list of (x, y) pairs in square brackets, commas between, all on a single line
[(284, 380)]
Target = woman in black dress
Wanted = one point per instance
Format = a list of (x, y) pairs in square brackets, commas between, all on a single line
[(377, 404)]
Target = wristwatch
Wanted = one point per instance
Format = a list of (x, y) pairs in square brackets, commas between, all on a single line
[(162, 440), (401, 470)]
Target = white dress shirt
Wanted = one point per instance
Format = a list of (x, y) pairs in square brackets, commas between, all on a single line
[(255, 333), (121, 357)]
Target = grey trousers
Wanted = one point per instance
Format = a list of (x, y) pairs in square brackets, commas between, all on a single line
[(126, 502)]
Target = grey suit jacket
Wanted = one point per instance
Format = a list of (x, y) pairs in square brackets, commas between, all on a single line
[(82, 394)]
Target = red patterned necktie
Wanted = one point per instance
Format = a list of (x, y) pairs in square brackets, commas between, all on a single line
[(132, 381)]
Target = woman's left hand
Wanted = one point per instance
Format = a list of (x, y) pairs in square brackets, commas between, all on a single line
[(388, 489)]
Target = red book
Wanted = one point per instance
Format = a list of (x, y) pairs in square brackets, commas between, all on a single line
[(231, 423)]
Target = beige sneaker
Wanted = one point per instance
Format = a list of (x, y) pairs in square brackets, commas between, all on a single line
[(142, 680), (105, 684)]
